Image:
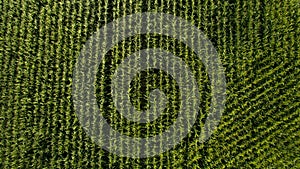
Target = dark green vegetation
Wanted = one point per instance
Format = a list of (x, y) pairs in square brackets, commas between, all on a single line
[(257, 41)]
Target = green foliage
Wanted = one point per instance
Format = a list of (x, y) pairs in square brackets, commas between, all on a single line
[(257, 41)]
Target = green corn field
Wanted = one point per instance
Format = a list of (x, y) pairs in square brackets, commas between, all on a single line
[(258, 44)]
